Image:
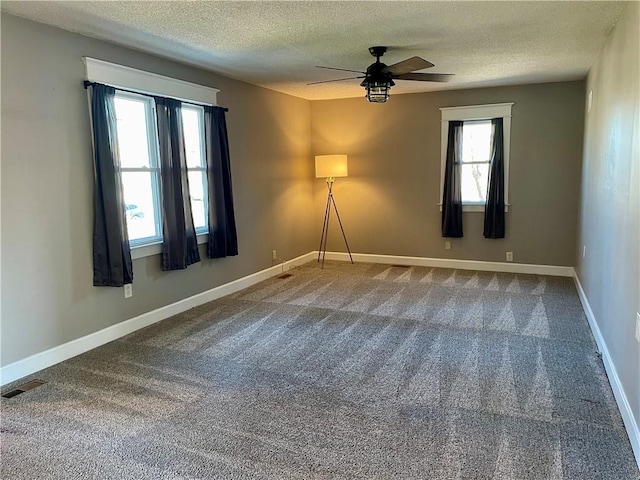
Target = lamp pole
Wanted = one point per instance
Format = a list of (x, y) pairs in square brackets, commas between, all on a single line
[(325, 226)]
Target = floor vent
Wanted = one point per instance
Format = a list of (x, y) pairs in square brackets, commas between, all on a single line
[(285, 275), (401, 266), (23, 388)]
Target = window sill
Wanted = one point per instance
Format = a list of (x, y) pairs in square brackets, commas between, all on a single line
[(474, 208), (155, 248)]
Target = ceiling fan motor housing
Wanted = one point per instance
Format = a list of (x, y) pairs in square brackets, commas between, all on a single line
[(375, 74)]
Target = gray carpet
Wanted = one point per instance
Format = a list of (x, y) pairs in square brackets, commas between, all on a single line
[(351, 372)]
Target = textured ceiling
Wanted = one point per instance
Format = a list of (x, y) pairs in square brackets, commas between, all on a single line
[(277, 44)]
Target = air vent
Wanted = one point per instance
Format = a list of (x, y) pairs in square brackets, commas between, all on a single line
[(23, 388), (285, 275), (401, 266)]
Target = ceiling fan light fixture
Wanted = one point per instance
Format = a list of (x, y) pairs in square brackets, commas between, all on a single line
[(378, 92), (377, 87)]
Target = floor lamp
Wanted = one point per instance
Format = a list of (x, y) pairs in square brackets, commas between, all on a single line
[(330, 167)]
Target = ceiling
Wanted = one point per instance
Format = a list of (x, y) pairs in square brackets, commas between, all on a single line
[(277, 44)]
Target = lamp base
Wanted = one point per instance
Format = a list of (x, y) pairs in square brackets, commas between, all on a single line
[(325, 226)]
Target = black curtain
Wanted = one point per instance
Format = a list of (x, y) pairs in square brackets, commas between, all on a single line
[(494, 208), (179, 242), (223, 240), (452, 193), (112, 265)]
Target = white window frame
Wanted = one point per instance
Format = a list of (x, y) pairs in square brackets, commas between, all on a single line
[(148, 83), (154, 167), (469, 113)]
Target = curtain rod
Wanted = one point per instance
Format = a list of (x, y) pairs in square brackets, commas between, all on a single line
[(88, 84)]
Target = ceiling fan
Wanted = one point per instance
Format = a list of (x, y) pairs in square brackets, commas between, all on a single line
[(378, 78)]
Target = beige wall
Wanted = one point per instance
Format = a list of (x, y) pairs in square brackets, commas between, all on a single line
[(47, 293), (389, 201), (610, 207)]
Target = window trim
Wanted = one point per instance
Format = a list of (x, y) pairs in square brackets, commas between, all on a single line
[(150, 84), (470, 113), (155, 248)]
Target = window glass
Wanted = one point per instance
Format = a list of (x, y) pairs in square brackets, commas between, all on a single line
[(193, 126), (475, 180), (476, 141), (197, 181), (192, 136), (476, 151), (139, 205), (131, 117)]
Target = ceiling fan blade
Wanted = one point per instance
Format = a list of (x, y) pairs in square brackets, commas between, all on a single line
[(409, 65), (425, 77), (337, 80), (341, 69)]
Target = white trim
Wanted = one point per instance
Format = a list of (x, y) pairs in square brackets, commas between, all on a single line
[(616, 385), (38, 361), (147, 83), (141, 251), (475, 207), (476, 112), (471, 207), (155, 248), (526, 268)]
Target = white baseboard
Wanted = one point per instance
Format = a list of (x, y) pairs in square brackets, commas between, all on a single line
[(618, 390), (38, 361), (526, 268)]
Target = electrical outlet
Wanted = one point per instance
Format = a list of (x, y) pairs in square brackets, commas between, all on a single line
[(584, 251), (128, 290), (638, 327), (509, 256), (274, 255), (447, 245)]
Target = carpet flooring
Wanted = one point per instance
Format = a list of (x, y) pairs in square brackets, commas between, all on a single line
[(352, 372)]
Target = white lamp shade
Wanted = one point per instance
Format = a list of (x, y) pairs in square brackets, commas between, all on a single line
[(328, 166)]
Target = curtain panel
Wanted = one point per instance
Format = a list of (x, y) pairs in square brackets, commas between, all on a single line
[(223, 239), (494, 218), (112, 266), (452, 192), (179, 244)]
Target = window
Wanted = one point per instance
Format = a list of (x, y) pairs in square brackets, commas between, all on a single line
[(476, 150), (137, 144), (138, 147), (193, 125)]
